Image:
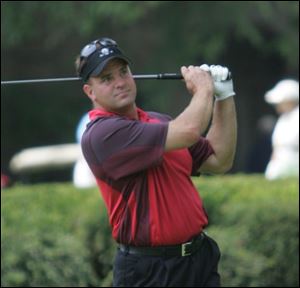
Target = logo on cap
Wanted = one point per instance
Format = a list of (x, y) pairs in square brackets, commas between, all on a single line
[(105, 52)]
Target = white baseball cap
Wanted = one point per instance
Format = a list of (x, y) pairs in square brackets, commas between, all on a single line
[(284, 90)]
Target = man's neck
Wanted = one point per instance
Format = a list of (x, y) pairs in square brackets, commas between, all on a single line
[(129, 112)]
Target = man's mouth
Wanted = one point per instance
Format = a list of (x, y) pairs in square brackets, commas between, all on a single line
[(122, 94)]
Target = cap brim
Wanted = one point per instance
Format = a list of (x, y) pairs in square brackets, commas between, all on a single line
[(102, 65)]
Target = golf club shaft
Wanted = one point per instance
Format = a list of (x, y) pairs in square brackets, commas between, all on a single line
[(160, 76)]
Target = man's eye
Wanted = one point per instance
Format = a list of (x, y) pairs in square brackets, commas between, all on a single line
[(106, 78), (124, 71)]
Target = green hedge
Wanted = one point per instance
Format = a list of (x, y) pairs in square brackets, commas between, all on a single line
[(256, 223), (56, 236)]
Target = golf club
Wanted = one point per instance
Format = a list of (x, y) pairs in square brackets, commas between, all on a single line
[(160, 76)]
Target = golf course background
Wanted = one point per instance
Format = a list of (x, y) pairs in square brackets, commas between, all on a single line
[(54, 235)]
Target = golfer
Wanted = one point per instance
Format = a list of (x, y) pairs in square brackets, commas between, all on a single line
[(143, 162)]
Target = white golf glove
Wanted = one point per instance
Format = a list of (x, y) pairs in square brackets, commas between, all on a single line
[(223, 87)]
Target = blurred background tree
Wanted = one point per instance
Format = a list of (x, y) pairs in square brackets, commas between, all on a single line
[(258, 40)]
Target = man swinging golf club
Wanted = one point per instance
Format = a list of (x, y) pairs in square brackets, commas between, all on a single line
[(143, 162)]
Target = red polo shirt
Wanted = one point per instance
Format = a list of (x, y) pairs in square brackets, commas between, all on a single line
[(148, 192)]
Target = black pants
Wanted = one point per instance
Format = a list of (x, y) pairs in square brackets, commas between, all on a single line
[(197, 270)]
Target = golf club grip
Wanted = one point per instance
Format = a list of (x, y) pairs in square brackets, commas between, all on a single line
[(160, 76), (165, 76)]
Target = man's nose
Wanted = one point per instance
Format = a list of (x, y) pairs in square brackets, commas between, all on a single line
[(120, 81)]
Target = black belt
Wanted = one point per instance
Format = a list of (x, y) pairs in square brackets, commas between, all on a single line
[(182, 250)]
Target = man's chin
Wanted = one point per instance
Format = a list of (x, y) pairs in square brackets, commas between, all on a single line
[(125, 100), (125, 105)]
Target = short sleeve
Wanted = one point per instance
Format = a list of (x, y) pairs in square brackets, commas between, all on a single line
[(121, 147), (200, 152)]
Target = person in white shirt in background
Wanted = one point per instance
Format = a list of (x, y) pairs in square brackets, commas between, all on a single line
[(82, 175), (284, 161)]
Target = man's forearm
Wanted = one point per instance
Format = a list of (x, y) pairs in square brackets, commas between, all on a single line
[(222, 134), (185, 129), (198, 113)]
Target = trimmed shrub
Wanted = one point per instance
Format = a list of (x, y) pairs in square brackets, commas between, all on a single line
[(53, 235), (256, 223), (49, 235)]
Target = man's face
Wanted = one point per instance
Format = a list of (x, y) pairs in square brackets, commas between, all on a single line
[(285, 107), (114, 89)]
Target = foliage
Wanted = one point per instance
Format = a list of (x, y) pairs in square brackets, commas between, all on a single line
[(257, 225), (254, 21), (40, 39), (54, 235), (63, 17)]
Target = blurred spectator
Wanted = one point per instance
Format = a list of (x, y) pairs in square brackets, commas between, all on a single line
[(284, 161), (5, 181), (261, 148), (82, 175)]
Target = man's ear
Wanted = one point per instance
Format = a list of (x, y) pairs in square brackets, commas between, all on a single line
[(88, 90)]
